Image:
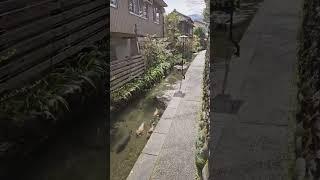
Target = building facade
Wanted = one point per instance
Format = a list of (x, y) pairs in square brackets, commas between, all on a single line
[(186, 24), (131, 19)]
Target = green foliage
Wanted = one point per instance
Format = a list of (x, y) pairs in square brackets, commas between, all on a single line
[(200, 163), (199, 32), (155, 51), (172, 30), (172, 22), (46, 98), (196, 46), (206, 11), (160, 61), (199, 39)]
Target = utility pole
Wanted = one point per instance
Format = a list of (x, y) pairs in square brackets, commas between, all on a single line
[(184, 56)]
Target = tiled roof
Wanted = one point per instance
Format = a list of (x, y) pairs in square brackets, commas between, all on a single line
[(161, 3), (185, 16)]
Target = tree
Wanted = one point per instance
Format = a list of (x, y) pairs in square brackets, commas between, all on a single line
[(155, 51), (199, 31), (200, 35), (206, 11), (171, 29)]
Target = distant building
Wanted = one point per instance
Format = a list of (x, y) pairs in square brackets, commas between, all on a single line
[(203, 25), (186, 24), (130, 19)]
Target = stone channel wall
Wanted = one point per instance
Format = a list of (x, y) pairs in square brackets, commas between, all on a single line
[(307, 134), (202, 152)]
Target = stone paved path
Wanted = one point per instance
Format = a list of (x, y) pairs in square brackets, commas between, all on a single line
[(170, 151), (251, 141)]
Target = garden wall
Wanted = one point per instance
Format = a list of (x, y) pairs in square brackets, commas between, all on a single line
[(124, 70), (37, 34)]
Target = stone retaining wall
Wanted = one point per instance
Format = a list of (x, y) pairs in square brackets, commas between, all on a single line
[(307, 134)]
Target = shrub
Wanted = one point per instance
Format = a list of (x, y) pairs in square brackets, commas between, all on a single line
[(199, 38), (171, 30), (48, 98), (155, 52), (196, 46)]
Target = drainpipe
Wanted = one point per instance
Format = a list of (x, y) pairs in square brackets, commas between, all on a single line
[(162, 26), (136, 37)]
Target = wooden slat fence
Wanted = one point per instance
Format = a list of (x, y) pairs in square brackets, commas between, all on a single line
[(42, 33), (125, 70)]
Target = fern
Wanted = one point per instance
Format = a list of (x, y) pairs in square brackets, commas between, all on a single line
[(46, 95)]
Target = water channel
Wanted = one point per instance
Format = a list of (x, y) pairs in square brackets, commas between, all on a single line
[(126, 122)]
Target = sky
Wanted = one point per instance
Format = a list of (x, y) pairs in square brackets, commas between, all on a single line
[(186, 7)]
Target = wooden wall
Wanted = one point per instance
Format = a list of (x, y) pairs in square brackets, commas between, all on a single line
[(125, 70), (42, 33)]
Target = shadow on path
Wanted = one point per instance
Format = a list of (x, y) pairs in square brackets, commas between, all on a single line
[(223, 103)]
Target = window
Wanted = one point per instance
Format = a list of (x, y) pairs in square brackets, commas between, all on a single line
[(190, 30), (156, 15), (139, 8), (145, 10), (113, 3), (132, 5), (135, 6)]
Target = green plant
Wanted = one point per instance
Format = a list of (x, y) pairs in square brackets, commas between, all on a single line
[(206, 11), (172, 32), (154, 74), (199, 32), (47, 97), (199, 39), (155, 51), (196, 46)]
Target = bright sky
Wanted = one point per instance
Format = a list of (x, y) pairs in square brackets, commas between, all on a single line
[(186, 7)]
